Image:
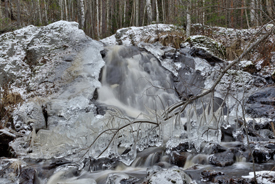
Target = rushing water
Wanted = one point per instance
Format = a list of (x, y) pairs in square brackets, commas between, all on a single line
[(134, 81)]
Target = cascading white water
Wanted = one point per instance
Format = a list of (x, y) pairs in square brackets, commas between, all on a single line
[(134, 81), (136, 89)]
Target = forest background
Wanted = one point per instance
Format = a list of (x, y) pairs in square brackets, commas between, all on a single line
[(101, 18)]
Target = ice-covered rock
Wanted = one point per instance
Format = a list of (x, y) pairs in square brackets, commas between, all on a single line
[(134, 35), (261, 103), (55, 68), (165, 176), (263, 177), (206, 48)]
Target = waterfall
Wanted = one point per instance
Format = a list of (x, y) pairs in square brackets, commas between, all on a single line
[(134, 81)]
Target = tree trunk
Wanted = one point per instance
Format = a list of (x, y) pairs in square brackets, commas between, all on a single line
[(149, 11), (232, 14), (124, 13), (66, 9), (18, 13), (39, 13), (246, 16), (157, 12), (269, 7), (260, 14), (188, 17), (120, 13), (203, 12), (97, 18), (1, 15), (101, 18), (6, 9), (91, 23), (46, 11), (61, 9), (137, 12), (107, 15), (163, 12), (81, 15), (252, 13)]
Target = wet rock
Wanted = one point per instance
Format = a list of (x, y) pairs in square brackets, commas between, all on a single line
[(28, 176), (261, 103), (201, 53), (229, 180), (187, 61), (167, 176), (183, 147), (227, 133), (209, 176), (261, 155), (5, 137), (56, 162), (200, 159), (267, 134), (222, 159), (251, 68), (211, 148), (103, 53), (188, 83), (92, 164), (122, 178), (179, 159)]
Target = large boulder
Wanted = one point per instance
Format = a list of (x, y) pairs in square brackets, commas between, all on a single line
[(261, 103), (55, 69), (206, 48)]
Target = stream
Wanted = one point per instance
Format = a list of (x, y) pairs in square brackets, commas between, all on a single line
[(99, 113)]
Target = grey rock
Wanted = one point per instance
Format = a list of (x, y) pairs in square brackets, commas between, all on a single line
[(261, 103), (222, 159)]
